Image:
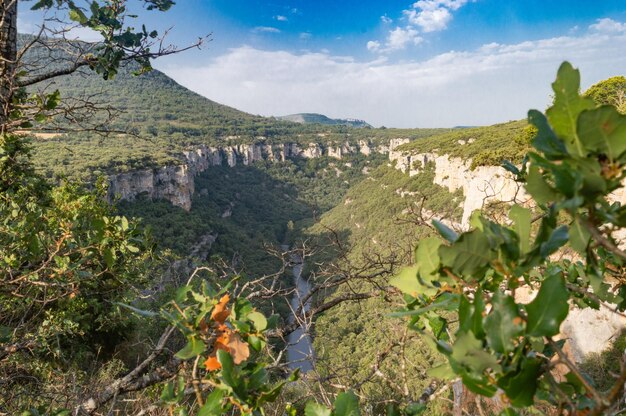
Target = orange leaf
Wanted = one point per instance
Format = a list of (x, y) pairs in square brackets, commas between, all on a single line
[(211, 363), (220, 311)]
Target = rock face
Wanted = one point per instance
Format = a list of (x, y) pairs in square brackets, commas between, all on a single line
[(175, 183), (480, 186)]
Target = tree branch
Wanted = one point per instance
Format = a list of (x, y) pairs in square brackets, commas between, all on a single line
[(131, 381)]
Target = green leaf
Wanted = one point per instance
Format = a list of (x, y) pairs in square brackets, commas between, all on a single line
[(255, 342), (538, 188), (132, 248), (6, 334), (579, 236), (415, 409), (168, 395), (471, 315), (521, 218), (347, 404), (503, 325), (603, 130), (77, 15), (229, 374), (258, 319), (546, 141), (521, 387), (557, 239), (427, 256), (468, 352), (442, 371), (406, 281), (213, 404), (124, 223), (193, 348), (444, 302), (315, 409), (447, 233), (109, 257), (468, 255), (549, 308), (568, 104)]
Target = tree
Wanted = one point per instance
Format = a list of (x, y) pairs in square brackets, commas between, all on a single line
[(501, 344), (611, 91), (65, 258)]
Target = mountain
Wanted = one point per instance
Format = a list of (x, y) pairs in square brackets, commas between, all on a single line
[(314, 118)]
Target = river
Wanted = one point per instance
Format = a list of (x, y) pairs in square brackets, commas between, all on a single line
[(300, 346)]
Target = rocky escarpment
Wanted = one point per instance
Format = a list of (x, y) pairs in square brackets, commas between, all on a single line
[(175, 183), (480, 186)]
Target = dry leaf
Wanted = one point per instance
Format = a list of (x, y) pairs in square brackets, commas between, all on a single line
[(220, 311), (237, 348)]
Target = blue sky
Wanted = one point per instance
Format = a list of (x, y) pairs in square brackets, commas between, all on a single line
[(396, 63)]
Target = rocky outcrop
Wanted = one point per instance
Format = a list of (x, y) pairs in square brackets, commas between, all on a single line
[(480, 186), (175, 183)]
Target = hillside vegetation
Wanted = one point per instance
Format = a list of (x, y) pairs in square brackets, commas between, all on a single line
[(484, 145)]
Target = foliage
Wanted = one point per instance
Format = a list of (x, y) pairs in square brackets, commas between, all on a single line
[(118, 39), (499, 343), (611, 91), (228, 341), (345, 404), (484, 145), (64, 257)]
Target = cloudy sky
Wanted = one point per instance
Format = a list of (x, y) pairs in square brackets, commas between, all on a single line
[(394, 63)]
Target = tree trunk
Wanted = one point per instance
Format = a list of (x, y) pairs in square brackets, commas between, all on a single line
[(8, 58)]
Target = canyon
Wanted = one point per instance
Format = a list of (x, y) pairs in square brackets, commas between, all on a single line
[(175, 183)]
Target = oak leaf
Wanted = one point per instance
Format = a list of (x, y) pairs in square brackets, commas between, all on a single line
[(237, 348), (220, 311)]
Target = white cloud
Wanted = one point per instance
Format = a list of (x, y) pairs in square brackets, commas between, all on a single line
[(397, 39), (281, 18), (266, 29), (305, 35), (423, 16), (608, 26), (493, 83), (430, 20), (373, 46), (432, 15), (386, 19)]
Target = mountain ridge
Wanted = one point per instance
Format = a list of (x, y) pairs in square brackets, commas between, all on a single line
[(316, 118)]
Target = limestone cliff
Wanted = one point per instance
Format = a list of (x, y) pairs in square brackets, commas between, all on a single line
[(175, 183), (480, 186)]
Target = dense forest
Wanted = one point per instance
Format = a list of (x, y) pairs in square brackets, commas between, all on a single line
[(133, 305)]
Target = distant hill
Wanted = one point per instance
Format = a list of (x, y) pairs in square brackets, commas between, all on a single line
[(314, 118)]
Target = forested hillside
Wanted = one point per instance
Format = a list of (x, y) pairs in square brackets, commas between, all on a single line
[(433, 271)]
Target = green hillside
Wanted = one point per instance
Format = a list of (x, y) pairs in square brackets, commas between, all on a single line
[(153, 119), (485, 145)]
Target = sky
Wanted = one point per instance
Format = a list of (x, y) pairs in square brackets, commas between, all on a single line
[(427, 63)]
